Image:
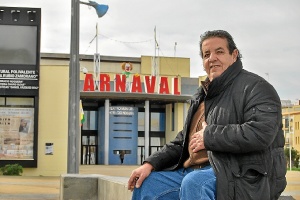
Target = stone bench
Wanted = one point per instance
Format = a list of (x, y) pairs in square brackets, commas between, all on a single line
[(93, 187), (100, 187)]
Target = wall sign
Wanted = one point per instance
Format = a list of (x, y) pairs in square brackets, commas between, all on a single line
[(121, 110), (19, 79), (150, 83)]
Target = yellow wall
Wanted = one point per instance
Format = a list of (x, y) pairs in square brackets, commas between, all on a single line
[(53, 121), (168, 66), (109, 67), (170, 134), (179, 120), (146, 65)]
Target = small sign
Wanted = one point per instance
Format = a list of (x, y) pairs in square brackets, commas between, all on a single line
[(49, 149)]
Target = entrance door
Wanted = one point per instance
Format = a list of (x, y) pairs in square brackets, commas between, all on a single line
[(89, 147), (89, 138)]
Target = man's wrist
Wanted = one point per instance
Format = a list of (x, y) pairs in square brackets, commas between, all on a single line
[(148, 165)]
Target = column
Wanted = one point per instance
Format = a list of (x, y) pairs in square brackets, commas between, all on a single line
[(147, 110), (106, 131)]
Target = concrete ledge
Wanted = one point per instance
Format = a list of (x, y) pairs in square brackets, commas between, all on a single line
[(115, 188), (93, 187), (100, 187)]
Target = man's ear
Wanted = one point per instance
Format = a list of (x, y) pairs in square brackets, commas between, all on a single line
[(235, 54)]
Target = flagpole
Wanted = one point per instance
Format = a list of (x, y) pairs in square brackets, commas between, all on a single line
[(74, 95)]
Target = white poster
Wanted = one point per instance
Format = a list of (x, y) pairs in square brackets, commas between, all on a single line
[(16, 133)]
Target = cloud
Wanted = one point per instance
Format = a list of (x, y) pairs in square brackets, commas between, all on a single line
[(266, 32)]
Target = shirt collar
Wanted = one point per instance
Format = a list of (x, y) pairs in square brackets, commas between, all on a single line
[(205, 85)]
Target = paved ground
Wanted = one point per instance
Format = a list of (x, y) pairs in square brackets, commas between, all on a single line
[(48, 188), (33, 188), (293, 186)]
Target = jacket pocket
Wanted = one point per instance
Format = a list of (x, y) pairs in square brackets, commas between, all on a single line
[(253, 185), (267, 108)]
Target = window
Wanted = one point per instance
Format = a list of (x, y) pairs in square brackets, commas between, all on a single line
[(18, 101), (141, 121), (90, 122), (2, 101), (297, 125), (158, 121), (18, 44)]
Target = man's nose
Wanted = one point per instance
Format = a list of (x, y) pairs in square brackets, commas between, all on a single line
[(212, 57)]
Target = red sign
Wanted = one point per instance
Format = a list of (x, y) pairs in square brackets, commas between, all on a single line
[(135, 85)]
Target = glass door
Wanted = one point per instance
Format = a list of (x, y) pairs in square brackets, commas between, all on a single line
[(89, 138), (88, 148)]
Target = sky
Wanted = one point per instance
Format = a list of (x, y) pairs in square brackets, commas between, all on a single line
[(266, 32)]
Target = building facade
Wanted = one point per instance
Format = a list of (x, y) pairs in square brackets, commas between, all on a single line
[(128, 114), (291, 125)]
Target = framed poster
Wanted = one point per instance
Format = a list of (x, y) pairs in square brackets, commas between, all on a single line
[(16, 133)]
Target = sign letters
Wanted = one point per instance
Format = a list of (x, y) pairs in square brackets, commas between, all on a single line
[(135, 86)]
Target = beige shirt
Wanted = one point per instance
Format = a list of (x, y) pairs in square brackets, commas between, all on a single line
[(201, 156)]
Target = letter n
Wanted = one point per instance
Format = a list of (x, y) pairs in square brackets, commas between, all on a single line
[(120, 83)]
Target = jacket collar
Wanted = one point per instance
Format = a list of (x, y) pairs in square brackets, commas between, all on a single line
[(225, 79), (218, 84)]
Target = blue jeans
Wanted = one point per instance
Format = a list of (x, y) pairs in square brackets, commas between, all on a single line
[(184, 184)]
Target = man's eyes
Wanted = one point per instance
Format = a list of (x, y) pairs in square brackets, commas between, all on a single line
[(206, 55), (219, 52)]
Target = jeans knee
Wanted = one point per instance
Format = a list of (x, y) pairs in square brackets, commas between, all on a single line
[(203, 182), (188, 180), (198, 178)]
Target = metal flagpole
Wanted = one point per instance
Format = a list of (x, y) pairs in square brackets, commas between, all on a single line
[(96, 61), (74, 95), (74, 76)]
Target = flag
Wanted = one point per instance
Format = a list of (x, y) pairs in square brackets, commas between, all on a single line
[(81, 112)]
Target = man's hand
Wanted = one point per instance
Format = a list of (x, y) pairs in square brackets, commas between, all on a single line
[(197, 142), (138, 176)]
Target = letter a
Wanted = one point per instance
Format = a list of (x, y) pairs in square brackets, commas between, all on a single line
[(149, 84), (136, 84), (164, 86), (88, 83)]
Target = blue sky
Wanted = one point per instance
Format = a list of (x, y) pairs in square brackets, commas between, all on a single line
[(267, 33)]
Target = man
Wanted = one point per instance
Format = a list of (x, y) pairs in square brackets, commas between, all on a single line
[(122, 155), (235, 122), (23, 126)]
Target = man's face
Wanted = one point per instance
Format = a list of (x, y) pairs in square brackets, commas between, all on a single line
[(23, 123), (216, 56)]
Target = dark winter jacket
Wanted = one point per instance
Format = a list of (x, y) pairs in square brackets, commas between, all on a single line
[(244, 137)]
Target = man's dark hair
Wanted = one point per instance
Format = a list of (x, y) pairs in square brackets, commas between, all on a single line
[(221, 34)]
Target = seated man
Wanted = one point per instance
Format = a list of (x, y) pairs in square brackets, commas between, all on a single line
[(231, 146)]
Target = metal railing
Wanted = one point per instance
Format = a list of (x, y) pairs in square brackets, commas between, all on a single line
[(141, 151)]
